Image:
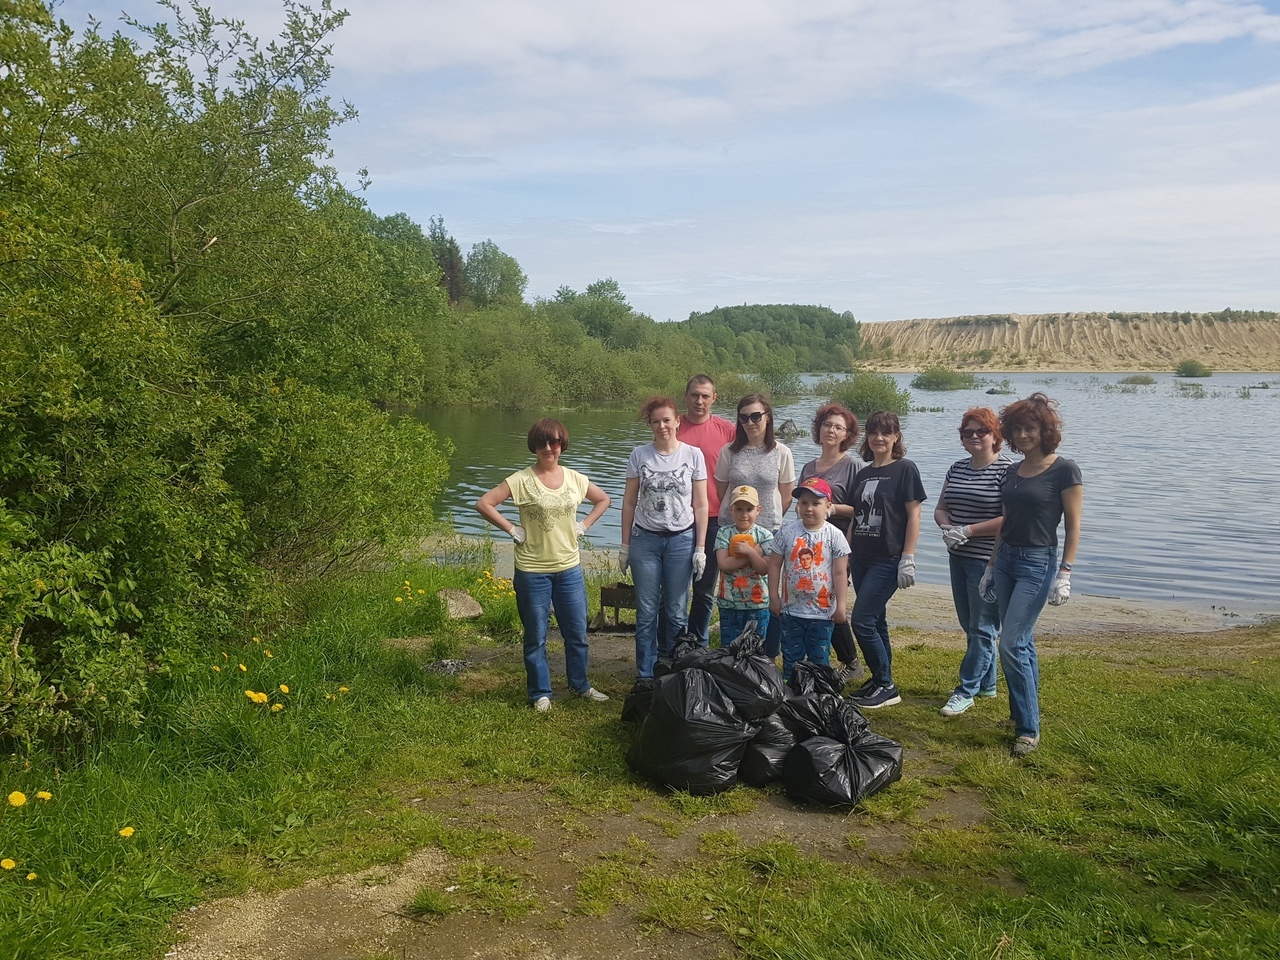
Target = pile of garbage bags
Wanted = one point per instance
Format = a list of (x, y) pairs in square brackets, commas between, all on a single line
[(710, 718)]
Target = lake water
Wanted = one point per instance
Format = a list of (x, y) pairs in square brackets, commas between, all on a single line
[(1182, 482)]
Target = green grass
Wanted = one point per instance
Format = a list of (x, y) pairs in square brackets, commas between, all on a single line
[(1148, 824)]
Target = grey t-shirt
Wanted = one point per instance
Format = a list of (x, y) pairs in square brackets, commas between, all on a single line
[(665, 503), (840, 477), (762, 469)]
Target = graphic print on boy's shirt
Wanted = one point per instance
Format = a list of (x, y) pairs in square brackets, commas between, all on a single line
[(808, 556), (743, 589)]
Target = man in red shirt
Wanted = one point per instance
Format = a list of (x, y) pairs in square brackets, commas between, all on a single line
[(700, 428)]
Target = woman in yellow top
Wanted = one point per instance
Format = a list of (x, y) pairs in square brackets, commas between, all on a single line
[(548, 567)]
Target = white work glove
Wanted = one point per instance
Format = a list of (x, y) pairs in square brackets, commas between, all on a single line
[(582, 529), (987, 585), (517, 533), (624, 558), (699, 563), (1060, 592), (907, 571), (956, 536)]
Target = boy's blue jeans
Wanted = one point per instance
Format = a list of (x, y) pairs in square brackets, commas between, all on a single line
[(804, 638), (733, 622)]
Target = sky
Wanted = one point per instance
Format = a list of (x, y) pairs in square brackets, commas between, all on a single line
[(893, 158)]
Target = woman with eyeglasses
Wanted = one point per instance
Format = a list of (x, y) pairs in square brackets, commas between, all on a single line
[(886, 525), (664, 528), (548, 571), (755, 458), (970, 512), (835, 430), (1038, 494)]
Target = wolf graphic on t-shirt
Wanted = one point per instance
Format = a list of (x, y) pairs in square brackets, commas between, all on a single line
[(668, 493)]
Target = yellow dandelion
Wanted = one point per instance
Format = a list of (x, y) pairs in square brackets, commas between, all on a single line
[(224, 656), (257, 639), (17, 798), (126, 832), (216, 668), (277, 707), (268, 654), (399, 599), (33, 876), (421, 592), (343, 689), (406, 583), (284, 688), (330, 696), (43, 795), (7, 864), (243, 668)]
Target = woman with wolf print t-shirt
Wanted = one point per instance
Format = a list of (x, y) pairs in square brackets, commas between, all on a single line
[(664, 524)]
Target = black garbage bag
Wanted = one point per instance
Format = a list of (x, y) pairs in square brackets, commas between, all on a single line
[(844, 764), (821, 715), (747, 677), (636, 707), (685, 652), (693, 738), (808, 677), (762, 760)]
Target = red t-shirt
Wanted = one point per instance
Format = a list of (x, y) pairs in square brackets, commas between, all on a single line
[(708, 436)]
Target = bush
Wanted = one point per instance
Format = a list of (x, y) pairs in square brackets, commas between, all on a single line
[(1139, 380), (866, 392), (1192, 368), (942, 378)]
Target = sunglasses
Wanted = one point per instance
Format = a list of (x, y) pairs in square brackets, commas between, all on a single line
[(967, 434), (551, 442), (752, 417)]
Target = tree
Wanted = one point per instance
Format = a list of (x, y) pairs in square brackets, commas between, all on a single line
[(492, 276), (449, 256)]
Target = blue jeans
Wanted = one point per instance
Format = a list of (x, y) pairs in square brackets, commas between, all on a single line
[(1023, 578), (536, 595), (733, 622), (662, 567), (875, 582), (704, 592), (804, 638), (981, 623)]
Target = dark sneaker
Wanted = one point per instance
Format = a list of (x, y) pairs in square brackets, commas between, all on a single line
[(1024, 745), (878, 697), (862, 689), (850, 671)]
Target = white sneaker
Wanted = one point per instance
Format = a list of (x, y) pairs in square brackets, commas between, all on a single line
[(542, 704), (594, 695)]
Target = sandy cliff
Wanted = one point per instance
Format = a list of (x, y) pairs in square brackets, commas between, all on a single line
[(1077, 341)]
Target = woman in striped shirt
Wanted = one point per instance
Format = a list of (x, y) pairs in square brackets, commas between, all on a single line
[(970, 512)]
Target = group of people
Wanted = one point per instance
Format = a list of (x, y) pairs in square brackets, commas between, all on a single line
[(704, 513)]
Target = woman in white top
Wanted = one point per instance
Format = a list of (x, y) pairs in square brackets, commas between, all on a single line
[(664, 524), (548, 567), (756, 459)]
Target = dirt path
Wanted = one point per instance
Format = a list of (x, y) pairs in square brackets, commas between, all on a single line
[(357, 917)]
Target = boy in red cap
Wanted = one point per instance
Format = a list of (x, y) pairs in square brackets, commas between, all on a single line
[(808, 577)]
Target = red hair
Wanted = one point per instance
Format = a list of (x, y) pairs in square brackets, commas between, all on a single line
[(986, 417), (1037, 409)]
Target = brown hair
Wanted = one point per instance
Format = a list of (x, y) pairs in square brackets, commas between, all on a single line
[(986, 417), (657, 403), (1037, 409), (740, 435), (883, 422), (838, 410), (546, 429)]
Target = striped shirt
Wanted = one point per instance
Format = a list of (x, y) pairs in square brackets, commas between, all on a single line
[(971, 496)]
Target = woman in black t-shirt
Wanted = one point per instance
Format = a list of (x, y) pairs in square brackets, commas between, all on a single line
[(886, 499), (1039, 493)]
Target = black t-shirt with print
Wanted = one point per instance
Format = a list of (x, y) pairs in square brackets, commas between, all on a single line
[(879, 499)]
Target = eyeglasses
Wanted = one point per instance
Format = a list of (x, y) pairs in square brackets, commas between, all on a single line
[(752, 417), (551, 442), (968, 434), (835, 425)]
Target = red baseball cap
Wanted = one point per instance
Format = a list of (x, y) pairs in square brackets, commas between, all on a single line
[(815, 486)]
